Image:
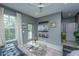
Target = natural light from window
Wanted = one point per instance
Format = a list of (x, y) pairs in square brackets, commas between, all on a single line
[(29, 31), (9, 22)]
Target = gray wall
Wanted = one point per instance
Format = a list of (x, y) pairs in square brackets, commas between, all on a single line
[(54, 33), (9, 12), (69, 26), (26, 20), (69, 20), (65, 21)]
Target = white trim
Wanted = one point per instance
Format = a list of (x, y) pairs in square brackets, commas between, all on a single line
[(18, 29), (2, 30), (11, 40)]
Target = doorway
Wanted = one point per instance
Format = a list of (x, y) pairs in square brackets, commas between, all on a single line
[(70, 29), (30, 26)]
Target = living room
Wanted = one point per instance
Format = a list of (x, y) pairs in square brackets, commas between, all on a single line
[(34, 29)]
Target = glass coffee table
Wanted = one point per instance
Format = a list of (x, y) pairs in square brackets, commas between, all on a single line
[(37, 49)]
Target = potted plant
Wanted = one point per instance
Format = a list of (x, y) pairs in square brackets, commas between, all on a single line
[(63, 36), (76, 34)]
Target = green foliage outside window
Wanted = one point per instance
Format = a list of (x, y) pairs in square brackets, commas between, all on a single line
[(76, 34), (9, 22)]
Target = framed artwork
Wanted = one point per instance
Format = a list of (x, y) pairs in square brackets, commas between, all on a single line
[(53, 24)]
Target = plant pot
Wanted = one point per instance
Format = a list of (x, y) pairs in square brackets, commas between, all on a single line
[(64, 41), (77, 41)]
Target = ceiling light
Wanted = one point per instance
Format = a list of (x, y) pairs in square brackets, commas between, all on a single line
[(66, 3), (40, 5)]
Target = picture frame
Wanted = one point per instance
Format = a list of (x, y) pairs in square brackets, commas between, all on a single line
[(53, 24)]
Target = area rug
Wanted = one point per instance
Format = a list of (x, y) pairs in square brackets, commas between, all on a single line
[(10, 50)]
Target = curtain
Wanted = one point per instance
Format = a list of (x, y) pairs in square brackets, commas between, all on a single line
[(19, 29), (2, 30)]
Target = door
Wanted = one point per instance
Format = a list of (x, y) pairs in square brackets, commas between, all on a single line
[(70, 28), (30, 31)]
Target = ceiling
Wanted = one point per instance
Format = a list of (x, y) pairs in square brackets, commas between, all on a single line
[(67, 9)]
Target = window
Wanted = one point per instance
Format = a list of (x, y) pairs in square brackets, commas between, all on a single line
[(9, 22), (29, 31)]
